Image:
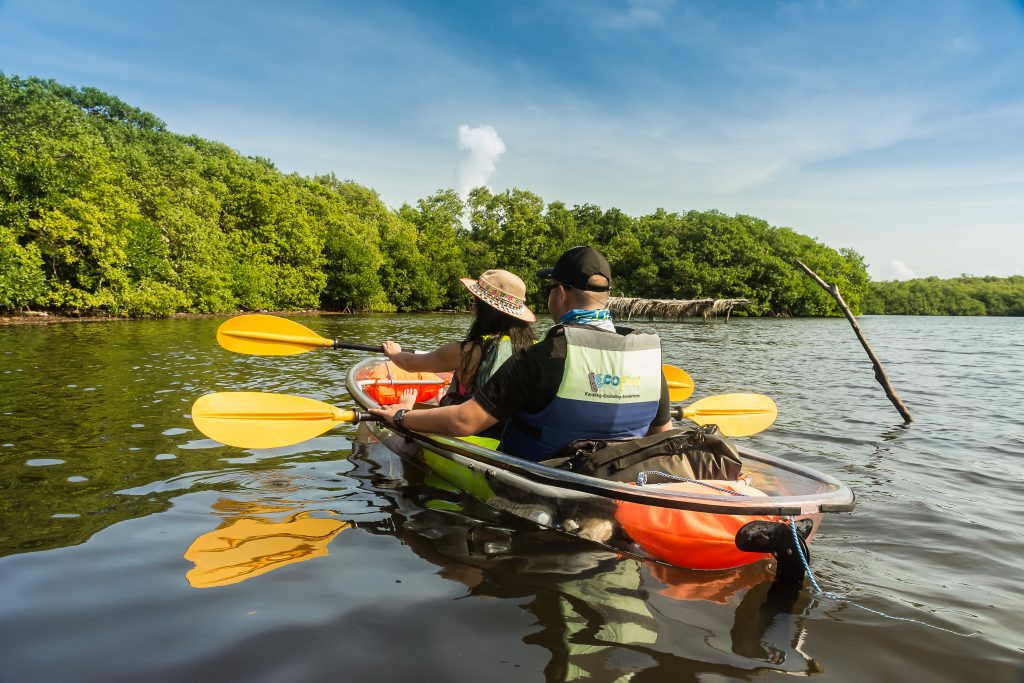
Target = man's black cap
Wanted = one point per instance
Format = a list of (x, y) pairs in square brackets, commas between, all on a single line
[(576, 266)]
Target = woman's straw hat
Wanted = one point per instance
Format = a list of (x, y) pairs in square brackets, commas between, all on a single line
[(503, 291)]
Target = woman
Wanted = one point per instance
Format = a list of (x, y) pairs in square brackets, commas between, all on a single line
[(501, 326)]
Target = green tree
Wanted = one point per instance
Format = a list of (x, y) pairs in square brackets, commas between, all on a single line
[(352, 247), (509, 230)]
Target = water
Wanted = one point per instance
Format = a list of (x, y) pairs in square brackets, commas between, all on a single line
[(329, 561)]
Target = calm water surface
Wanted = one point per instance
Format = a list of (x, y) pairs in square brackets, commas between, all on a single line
[(133, 548)]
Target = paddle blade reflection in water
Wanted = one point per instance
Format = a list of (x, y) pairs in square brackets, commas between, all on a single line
[(246, 547)]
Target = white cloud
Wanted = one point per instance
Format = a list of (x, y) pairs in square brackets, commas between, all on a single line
[(895, 270), (484, 147)]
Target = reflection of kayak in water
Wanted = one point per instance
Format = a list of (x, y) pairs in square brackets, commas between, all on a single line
[(248, 546), (697, 526), (601, 614)]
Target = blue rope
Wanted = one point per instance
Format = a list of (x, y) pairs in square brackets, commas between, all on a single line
[(836, 597), (641, 480)]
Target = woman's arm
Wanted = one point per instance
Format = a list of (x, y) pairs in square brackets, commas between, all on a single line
[(442, 359)]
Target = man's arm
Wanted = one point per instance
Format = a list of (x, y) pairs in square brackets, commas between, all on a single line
[(660, 428), (503, 394), (460, 420), (662, 422)]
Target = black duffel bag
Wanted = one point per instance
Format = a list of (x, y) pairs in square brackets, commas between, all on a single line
[(701, 453)]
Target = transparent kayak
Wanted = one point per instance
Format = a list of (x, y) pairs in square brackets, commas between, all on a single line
[(690, 524)]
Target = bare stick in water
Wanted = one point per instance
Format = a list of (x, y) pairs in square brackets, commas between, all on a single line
[(880, 375)]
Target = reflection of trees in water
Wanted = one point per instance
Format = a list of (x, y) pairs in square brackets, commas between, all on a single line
[(601, 617)]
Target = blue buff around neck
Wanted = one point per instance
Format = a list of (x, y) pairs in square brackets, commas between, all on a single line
[(586, 316)]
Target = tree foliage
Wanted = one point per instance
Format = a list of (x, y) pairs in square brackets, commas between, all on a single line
[(103, 210), (964, 295)]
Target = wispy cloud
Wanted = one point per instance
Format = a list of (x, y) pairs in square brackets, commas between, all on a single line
[(963, 44), (897, 270), (639, 13)]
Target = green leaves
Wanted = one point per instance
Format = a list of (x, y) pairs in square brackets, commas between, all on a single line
[(22, 281), (964, 295), (103, 210)]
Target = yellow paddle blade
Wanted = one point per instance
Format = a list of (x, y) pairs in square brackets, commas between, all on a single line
[(268, 335), (251, 419), (735, 414), (680, 384)]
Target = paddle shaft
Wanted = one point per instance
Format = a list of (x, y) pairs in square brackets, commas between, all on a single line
[(680, 412), (338, 344)]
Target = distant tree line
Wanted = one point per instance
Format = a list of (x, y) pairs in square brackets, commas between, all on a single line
[(964, 295), (104, 211)]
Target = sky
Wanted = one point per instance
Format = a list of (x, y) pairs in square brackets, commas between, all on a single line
[(893, 128)]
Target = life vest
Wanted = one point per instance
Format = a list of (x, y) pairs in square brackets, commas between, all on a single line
[(610, 389), (498, 352)]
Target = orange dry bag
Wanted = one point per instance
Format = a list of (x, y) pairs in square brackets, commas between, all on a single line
[(388, 386)]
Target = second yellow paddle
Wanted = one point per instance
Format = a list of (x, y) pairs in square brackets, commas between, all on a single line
[(735, 414), (249, 419), (680, 384)]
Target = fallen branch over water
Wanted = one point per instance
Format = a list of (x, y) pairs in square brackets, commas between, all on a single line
[(674, 309), (880, 375)]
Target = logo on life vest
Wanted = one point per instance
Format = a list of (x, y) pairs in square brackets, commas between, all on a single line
[(600, 381)]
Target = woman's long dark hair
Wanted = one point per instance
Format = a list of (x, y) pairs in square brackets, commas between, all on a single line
[(489, 321)]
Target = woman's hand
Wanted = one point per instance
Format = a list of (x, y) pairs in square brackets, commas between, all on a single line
[(392, 349)]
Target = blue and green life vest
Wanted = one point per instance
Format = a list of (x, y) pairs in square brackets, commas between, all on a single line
[(610, 389)]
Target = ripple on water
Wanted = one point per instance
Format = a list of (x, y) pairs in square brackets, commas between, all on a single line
[(317, 478)]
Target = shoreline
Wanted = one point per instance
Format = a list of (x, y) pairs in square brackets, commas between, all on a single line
[(47, 318)]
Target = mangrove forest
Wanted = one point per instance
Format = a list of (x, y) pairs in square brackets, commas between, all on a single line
[(103, 211)]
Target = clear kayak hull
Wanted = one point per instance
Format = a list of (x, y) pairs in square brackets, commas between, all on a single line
[(694, 525)]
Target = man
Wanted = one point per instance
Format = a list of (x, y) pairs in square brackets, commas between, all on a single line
[(585, 379)]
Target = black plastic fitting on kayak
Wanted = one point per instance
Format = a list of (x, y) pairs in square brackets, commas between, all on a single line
[(777, 538)]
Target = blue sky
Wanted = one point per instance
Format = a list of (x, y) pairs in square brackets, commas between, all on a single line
[(895, 128)]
